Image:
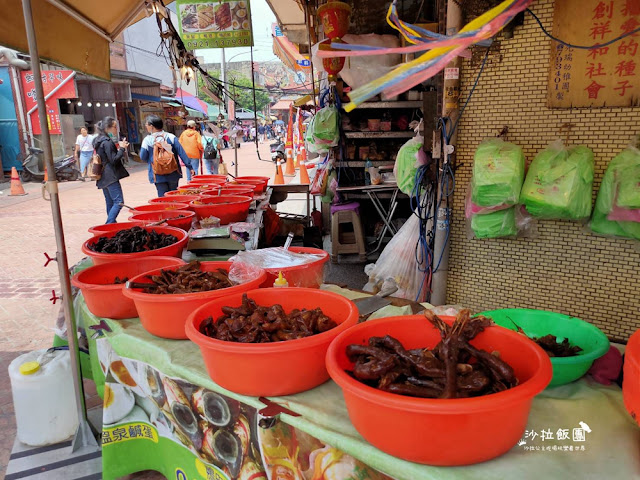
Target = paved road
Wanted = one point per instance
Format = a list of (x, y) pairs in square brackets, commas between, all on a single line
[(27, 317)]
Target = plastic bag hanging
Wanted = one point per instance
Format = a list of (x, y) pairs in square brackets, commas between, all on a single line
[(498, 174), (559, 183), (617, 210)]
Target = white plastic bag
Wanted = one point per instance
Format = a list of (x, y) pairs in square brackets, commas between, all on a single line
[(397, 262)]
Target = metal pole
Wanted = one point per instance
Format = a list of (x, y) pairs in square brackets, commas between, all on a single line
[(224, 80), (84, 436), (450, 108)]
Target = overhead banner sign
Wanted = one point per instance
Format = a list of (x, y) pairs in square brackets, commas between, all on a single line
[(606, 76), (65, 87), (215, 23)]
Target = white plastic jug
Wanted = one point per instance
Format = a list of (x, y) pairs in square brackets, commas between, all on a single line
[(43, 397)]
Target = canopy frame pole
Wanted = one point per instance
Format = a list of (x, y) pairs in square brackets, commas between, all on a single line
[(84, 436), (80, 18)]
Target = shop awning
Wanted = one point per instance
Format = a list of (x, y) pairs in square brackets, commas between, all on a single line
[(188, 101), (290, 16), (74, 33), (282, 105), (147, 98), (286, 51)]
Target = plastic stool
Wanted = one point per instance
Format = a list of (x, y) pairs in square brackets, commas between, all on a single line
[(346, 242)]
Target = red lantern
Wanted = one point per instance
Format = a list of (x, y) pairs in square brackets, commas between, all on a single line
[(334, 16), (333, 65)]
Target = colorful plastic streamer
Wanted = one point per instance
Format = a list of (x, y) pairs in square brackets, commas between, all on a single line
[(441, 50)]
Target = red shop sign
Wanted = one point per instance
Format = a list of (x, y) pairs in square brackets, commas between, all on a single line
[(50, 80)]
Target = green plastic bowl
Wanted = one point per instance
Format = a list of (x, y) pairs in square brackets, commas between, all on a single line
[(538, 323)]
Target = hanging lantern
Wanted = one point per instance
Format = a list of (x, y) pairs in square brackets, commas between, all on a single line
[(333, 65), (335, 18)]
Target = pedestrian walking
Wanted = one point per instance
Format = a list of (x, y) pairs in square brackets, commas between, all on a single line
[(161, 150), (261, 133), (84, 150), (225, 137), (191, 142), (112, 168), (211, 152), (253, 133)]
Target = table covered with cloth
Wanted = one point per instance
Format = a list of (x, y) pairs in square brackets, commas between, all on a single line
[(192, 428)]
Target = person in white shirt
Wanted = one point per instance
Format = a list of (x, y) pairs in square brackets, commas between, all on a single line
[(84, 150)]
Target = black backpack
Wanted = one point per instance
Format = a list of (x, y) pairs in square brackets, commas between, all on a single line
[(210, 150)]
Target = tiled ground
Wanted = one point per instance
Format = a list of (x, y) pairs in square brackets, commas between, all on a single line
[(27, 316)]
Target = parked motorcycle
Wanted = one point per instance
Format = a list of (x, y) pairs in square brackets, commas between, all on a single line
[(33, 167), (277, 150)]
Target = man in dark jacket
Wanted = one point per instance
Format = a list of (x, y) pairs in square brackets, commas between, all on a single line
[(112, 168)]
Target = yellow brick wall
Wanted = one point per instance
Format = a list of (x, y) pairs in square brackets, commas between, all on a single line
[(566, 269)]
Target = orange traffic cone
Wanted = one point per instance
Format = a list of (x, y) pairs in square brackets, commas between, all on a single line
[(289, 169), (304, 175), (279, 179), (16, 185)]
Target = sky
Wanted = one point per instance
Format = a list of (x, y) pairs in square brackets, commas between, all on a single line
[(262, 18)]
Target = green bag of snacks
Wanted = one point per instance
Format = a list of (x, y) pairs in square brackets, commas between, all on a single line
[(405, 166), (498, 172), (495, 224), (621, 181), (559, 182)]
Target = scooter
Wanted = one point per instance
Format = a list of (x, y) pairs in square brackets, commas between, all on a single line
[(33, 167), (277, 150)]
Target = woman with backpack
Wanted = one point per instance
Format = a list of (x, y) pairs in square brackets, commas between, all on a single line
[(161, 150), (211, 152), (112, 168)]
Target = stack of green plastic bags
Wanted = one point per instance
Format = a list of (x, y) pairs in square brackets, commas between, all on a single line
[(498, 172), (559, 183), (619, 191)]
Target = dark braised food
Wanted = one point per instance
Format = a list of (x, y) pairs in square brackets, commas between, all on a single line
[(252, 323), (551, 346), (452, 369), (187, 279), (118, 280), (133, 240)]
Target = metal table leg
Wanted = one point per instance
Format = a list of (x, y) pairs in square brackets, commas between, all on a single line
[(385, 215)]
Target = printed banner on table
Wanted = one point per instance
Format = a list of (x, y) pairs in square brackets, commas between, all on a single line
[(187, 432), (215, 23), (607, 76), (51, 79)]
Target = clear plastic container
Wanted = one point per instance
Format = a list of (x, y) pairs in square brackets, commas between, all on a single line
[(43, 398)]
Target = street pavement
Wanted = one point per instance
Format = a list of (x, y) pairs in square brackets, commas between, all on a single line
[(27, 317)]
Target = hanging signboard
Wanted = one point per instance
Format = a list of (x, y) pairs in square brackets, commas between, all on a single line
[(602, 77), (215, 23), (63, 81)]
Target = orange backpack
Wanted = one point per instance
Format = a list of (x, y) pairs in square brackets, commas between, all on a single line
[(164, 162)]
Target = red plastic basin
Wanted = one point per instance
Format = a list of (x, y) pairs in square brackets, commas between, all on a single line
[(207, 178), (228, 208), (258, 187), (170, 216), (226, 190), (165, 315), (109, 227), (309, 275), (103, 297), (174, 250), (186, 199), (264, 180), (631, 378), (159, 207), (272, 369), (459, 431)]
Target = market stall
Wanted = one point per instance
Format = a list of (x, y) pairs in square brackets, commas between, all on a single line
[(220, 368)]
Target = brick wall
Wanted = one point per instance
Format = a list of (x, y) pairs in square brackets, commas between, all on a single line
[(566, 269)]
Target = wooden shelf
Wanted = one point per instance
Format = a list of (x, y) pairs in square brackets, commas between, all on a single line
[(399, 104), (407, 134)]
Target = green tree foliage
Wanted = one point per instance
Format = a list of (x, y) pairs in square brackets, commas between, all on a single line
[(244, 94)]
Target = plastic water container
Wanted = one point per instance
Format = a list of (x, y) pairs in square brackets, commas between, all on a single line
[(43, 397)]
